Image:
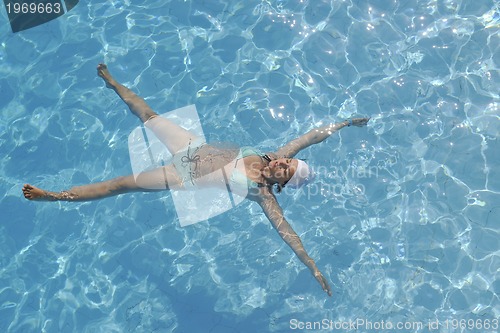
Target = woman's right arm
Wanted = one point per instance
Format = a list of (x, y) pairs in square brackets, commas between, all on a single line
[(275, 215)]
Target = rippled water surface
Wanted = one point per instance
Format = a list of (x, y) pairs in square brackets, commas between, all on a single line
[(402, 218)]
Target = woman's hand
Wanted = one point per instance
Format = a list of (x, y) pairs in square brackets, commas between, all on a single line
[(322, 281), (359, 122)]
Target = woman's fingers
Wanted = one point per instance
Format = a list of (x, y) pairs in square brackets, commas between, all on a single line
[(360, 121), (323, 282), (326, 287)]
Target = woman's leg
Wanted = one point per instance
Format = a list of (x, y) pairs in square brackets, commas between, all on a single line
[(171, 135), (160, 179)]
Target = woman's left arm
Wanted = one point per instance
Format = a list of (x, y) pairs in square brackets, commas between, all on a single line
[(275, 215), (317, 135)]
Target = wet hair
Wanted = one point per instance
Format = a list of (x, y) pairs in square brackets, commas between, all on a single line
[(276, 187)]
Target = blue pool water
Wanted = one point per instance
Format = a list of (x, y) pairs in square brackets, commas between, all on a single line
[(402, 219)]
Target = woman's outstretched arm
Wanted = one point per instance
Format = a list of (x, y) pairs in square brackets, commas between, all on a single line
[(317, 135), (275, 215)]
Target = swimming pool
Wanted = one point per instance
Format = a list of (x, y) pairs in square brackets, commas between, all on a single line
[(402, 219)]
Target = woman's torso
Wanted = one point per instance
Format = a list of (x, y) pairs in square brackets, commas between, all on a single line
[(237, 170)]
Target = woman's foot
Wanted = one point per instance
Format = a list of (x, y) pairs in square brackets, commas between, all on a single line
[(102, 71), (34, 193)]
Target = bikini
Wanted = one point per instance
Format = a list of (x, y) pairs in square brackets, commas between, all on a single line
[(186, 163), (239, 179)]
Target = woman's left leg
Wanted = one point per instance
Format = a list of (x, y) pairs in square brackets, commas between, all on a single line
[(173, 136)]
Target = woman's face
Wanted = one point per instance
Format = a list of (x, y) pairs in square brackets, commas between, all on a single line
[(280, 170)]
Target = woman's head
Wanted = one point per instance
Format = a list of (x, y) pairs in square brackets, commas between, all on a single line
[(288, 171)]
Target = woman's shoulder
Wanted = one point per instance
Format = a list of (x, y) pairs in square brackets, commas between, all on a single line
[(260, 194)]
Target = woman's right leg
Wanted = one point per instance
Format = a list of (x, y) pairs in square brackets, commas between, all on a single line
[(160, 179), (174, 137)]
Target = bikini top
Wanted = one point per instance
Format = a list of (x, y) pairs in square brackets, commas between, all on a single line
[(240, 179)]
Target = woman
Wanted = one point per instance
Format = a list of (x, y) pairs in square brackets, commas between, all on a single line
[(258, 173)]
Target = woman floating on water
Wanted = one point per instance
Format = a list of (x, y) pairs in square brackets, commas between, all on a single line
[(256, 172)]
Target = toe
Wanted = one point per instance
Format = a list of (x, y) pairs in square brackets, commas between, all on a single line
[(27, 191)]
